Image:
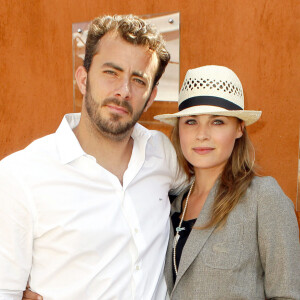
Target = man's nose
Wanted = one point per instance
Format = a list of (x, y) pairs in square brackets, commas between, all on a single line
[(123, 90)]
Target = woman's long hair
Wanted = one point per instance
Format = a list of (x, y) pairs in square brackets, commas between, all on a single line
[(234, 180)]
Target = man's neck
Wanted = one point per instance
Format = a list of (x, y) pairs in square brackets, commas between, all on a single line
[(113, 155)]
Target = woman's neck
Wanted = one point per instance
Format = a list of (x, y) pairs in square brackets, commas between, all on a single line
[(205, 180)]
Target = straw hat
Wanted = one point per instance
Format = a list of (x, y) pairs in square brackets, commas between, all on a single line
[(213, 90)]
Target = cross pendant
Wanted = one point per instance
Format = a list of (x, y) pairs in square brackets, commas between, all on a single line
[(178, 229)]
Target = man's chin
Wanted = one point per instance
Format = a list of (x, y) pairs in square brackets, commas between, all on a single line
[(116, 136), (116, 132)]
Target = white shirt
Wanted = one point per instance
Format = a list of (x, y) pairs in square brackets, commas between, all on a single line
[(70, 225)]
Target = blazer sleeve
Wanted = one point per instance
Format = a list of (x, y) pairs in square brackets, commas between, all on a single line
[(278, 240)]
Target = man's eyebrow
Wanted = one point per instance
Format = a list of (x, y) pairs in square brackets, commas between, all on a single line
[(139, 74), (112, 65), (116, 67)]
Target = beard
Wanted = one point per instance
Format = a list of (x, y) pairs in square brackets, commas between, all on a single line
[(111, 126)]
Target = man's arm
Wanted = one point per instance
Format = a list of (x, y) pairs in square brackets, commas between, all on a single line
[(29, 295), (16, 235)]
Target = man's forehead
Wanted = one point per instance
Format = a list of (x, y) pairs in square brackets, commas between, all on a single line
[(114, 53), (114, 36)]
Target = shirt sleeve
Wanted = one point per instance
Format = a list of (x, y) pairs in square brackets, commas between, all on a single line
[(10, 295), (278, 238), (16, 235)]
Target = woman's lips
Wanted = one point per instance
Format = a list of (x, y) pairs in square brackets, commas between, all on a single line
[(203, 150)]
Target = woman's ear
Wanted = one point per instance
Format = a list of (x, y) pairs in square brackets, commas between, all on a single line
[(240, 129)]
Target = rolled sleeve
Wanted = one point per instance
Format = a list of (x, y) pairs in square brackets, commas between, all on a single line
[(10, 295)]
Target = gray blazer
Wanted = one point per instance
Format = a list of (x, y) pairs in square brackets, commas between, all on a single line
[(256, 255)]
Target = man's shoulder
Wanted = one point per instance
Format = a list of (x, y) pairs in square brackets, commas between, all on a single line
[(46, 147), (41, 147), (155, 138), (161, 138)]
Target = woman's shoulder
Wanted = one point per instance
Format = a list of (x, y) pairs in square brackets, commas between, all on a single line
[(267, 185), (262, 181), (268, 193)]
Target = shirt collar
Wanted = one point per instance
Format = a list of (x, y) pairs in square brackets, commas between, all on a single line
[(140, 132), (68, 146)]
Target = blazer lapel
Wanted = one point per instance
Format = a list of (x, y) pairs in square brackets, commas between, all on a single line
[(197, 238), (169, 262), (176, 207)]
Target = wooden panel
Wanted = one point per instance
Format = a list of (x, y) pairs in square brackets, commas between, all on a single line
[(159, 107), (258, 39)]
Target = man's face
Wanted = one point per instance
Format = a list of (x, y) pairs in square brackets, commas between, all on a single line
[(119, 85)]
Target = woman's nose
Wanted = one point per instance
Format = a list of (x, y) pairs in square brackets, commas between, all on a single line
[(203, 133)]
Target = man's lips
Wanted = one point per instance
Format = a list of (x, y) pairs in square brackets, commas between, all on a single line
[(203, 150), (117, 109)]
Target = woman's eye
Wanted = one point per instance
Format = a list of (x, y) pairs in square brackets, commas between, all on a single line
[(190, 122), (218, 122)]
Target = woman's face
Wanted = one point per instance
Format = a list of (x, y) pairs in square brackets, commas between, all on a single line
[(207, 141)]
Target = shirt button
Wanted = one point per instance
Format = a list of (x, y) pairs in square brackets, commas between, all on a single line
[(137, 268), (136, 230)]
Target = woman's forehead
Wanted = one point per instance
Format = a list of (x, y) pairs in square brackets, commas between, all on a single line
[(210, 116)]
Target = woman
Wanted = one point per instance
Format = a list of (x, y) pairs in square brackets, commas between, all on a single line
[(236, 234)]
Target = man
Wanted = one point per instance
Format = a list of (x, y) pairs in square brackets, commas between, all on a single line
[(85, 211)]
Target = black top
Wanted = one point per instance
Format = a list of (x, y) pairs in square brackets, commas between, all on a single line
[(184, 234)]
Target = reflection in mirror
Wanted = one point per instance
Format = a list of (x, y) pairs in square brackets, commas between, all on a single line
[(168, 25)]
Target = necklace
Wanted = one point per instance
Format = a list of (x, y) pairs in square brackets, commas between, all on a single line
[(179, 228)]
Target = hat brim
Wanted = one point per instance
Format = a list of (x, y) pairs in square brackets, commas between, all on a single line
[(248, 116)]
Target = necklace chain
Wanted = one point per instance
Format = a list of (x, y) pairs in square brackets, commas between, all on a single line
[(179, 228)]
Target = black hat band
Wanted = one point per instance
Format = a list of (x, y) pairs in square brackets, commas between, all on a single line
[(208, 100)]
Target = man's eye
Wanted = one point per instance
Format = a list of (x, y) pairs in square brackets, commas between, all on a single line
[(111, 72), (139, 81), (218, 122)]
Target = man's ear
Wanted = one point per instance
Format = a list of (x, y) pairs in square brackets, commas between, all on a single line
[(151, 99), (81, 78)]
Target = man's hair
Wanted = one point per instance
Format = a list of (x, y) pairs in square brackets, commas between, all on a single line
[(234, 180), (132, 29)]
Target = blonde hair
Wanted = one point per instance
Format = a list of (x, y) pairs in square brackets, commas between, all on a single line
[(234, 180)]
